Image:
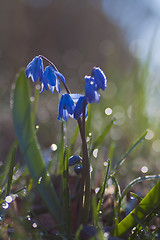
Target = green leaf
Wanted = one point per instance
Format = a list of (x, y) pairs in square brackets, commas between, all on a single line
[(22, 120), (146, 207)]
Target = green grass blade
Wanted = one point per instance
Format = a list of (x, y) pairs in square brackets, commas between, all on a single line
[(22, 120), (101, 138), (103, 187), (10, 174), (66, 194), (120, 162), (147, 206), (6, 165), (138, 180)]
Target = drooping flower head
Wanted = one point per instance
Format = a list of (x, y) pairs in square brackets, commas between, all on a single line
[(100, 78), (35, 69), (96, 81), (66, 107), (71, 105), (49, 77), (91, 91)]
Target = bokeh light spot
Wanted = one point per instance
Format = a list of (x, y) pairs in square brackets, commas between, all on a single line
[(108, 111), (144, 169), (53, 147)]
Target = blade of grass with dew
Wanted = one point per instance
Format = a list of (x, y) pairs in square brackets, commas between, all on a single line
[(89, 119), (121, 161), (149, 204), (138, 180), (10, 174), (23, 124), (103, 187), (66, 198), (101, 138), (6, 165), (61, 148), (132, 194)]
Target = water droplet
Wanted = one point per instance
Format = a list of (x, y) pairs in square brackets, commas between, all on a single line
[(97, 190), (32, 99), (37, 126), (5, 205), (144, 169), (39, 180), (8, 199), (106, 235), (156, 145), (29, 217), (34, 225), (105, 164), (108, 111), (149, 135), (95, 152), (38, 86), (87, 139), (53, 147)]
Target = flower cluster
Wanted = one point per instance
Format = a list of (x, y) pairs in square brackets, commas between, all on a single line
[(49, 77), (70, 104)]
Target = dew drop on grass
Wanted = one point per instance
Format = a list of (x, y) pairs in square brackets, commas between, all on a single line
[(8, 199), (53, 147), (144, 169), (34, 225), (108, 111), (5, 205), (95, 152)]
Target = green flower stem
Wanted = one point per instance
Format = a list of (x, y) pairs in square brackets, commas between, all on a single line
[(85, 174)]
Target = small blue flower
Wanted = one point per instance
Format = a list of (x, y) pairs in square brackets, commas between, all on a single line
[(35, 69), (74, 160), (50, 80), (91, 90), (100, 78), (66, 107)]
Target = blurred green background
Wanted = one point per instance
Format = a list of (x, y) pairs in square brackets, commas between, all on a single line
[(118, 36)]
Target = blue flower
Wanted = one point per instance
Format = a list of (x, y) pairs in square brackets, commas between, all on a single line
[(66, 107), (100, 78), (91, 90), (74, 160), (50, 80), (35, 69), (71, 105), (49, 77)]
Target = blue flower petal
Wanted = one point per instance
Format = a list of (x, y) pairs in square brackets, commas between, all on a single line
[(66, 107), (100, 78), (60, 76), (90, 89), (61, 106), (51, 88), (35, 69), (78, 111), (49, 76), (65, 115), (58, 86), (69, 104)]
